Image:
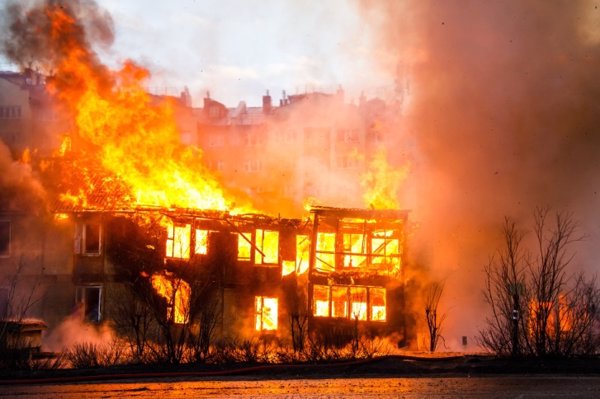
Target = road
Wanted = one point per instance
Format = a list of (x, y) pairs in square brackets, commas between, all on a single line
[(500, 387)]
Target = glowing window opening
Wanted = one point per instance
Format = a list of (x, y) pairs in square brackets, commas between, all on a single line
[(325, 252), (267, 247), (266, 313), (178, 241), (339, 301), (320, 301), (302, 253), (358, 304), (177, 294), (201, 244), (377, 299), (244, 246), (350, 302), (355, 250)]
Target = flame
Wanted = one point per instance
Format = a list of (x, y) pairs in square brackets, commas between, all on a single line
[(178, 241), (267, 247), (382, 182), (266, 313), (177, 293), (133, 136)]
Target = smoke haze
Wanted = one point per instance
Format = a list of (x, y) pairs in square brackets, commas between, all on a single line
[(504, 110)]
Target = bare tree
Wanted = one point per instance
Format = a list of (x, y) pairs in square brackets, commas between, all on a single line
[(548, 277), (434, 320), (14, 348), (505, 293), (533, 298), (133, 321)]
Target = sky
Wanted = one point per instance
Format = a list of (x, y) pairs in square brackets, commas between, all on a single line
[(238, 50)]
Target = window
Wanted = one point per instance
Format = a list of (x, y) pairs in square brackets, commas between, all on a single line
[(201, 246), (88, 239), (358, 304), (91, 238), (325, 252), (252, 166), (321, 300), (339, 301), (302, 250), (377, 302), (355, 246), (266, 313), (178, 241), (177, 294), (4, 238), (89, 298), (349, 302), (385, 250), (267, 247), (10, 112), (244, 246)]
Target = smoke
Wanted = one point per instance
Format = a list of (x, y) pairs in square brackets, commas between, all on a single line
[(31, 39), (74, 331), (20, 189), (44, 34), (503, 106)]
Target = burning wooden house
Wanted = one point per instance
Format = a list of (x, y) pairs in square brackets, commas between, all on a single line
[(259, 275)]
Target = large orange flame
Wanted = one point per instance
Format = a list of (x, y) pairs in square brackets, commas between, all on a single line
[(133, 136), (382, 182)]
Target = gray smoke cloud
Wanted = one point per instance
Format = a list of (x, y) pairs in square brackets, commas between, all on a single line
[(504, 110)]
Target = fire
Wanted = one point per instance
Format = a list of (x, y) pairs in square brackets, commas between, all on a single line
[(382, 183), (267, 247), (134, 137), (266, 313), (178, 241), (177, 293)]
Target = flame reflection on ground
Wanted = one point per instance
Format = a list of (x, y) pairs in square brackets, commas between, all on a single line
[(555, 386)]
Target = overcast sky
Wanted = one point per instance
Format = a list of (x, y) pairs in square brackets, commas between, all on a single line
[(238, 49)]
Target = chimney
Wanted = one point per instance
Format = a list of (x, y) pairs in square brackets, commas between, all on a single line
[(267, 105)]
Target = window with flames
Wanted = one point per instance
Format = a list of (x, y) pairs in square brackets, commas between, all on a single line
[(265, 244), (266, 313), (179, 244), (379, 250), (350, 302)]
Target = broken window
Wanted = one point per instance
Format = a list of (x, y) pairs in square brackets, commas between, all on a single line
[(201, 245), (4, 238), (89, 298), (300, 265), (349, 302), (244, 246), (177, 294), (321, 300), (88, 239), (339, 301), (267, 247), (355, 249), (358, 303), (178, 241), (302, 252), (385, 250), (377, 302), (325, 252), (266, 313)]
